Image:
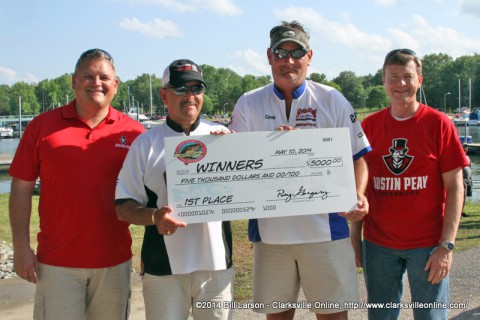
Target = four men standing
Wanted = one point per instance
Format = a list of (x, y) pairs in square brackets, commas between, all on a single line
[(83, 246)]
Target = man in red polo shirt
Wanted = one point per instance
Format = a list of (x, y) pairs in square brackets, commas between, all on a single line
[(83, 261)]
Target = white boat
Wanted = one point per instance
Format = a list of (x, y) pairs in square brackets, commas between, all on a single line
[(473, 118), (137, 116), (143, 119), (6, 132), (461, 120)]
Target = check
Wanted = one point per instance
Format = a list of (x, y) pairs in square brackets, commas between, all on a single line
[(260, 174)]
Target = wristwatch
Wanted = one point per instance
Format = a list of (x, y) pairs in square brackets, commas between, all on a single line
[(449, 246)]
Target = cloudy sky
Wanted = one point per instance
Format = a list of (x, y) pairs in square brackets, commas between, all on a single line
[(43, 39)]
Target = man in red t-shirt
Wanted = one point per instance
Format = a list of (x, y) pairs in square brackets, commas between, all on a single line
[(415, 191), (83, 261)]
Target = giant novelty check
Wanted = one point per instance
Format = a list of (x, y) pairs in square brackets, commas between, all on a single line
[(260, 174)]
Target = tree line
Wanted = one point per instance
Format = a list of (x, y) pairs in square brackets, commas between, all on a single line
[(443, 76)]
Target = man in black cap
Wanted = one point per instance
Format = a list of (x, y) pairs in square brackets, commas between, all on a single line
[(185, 267)]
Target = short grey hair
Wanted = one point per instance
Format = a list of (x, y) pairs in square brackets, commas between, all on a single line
[(93, 54)]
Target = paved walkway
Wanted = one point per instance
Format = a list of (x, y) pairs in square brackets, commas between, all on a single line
[(16, 295)]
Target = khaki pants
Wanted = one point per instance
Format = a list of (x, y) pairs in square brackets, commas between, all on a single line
[(80, 294), (325, 270), (204, 292)]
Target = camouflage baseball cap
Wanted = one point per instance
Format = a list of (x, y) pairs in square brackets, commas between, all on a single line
[(282, 34)]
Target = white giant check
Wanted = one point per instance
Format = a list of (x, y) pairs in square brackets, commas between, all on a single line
[(260, 174)]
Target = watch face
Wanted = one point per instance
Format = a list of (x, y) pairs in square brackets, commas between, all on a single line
[(448, 245)]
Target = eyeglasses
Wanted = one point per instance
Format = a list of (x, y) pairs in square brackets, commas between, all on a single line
[(282, 54), (402, 51), (195, 89)]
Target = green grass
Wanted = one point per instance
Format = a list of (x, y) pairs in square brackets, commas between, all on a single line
[(6, 232), (468, 237)]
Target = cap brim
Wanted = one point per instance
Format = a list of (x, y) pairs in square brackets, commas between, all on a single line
[(292, 40), (180, 81)]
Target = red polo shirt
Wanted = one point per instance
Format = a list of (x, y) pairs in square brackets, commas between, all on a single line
[(78, 167)]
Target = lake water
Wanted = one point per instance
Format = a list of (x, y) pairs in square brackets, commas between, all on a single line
[(8, 147)]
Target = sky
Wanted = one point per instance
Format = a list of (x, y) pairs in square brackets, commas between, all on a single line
[(42, 39)]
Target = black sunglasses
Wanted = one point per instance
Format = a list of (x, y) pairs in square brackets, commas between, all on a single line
[(195, 89), (402, 51), (96, 51), (282, 53)]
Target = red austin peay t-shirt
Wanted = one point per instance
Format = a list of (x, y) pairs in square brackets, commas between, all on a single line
[(405, 189)]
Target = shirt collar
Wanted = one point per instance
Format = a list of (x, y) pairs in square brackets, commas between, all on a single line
[(295, 94), (69, 112), (177, 128)]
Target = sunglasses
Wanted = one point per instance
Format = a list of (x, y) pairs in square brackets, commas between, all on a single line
[(402, 51), (282, 54), (195, 89), (95, 51)]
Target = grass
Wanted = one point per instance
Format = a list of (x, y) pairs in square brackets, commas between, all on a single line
[(468, 237)]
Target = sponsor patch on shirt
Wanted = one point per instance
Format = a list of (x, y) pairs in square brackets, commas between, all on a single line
[(306, 117), (123, 143)]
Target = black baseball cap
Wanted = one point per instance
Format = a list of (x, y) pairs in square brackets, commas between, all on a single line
[(181, 71)]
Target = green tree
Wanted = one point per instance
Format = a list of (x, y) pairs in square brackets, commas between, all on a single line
[(372, 80), (377, 97), (435, 80), (42, 94), (65, 92), (352, 87), (464, 68), (136, 93), (207, 105), (29, 100), (50, 95), (318, 77), (4, 99), (223, 87), (333, 85)]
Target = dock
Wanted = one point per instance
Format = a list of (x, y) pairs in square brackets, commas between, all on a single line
[(5, 164), (473, 148)]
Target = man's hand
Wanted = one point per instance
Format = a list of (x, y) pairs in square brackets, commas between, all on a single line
[(439, 264), (25, 264), (286, 128), (166, 225), (360, 212)]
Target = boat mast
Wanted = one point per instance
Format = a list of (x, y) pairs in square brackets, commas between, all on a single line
[(151, 98), (459, 96)]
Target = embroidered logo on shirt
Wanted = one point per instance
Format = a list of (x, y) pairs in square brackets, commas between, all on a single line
[(398, 160), (306, 117), (123, 143)]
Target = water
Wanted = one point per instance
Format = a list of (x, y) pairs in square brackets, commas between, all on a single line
[(8, 147), (7, 150), (4, 183)]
